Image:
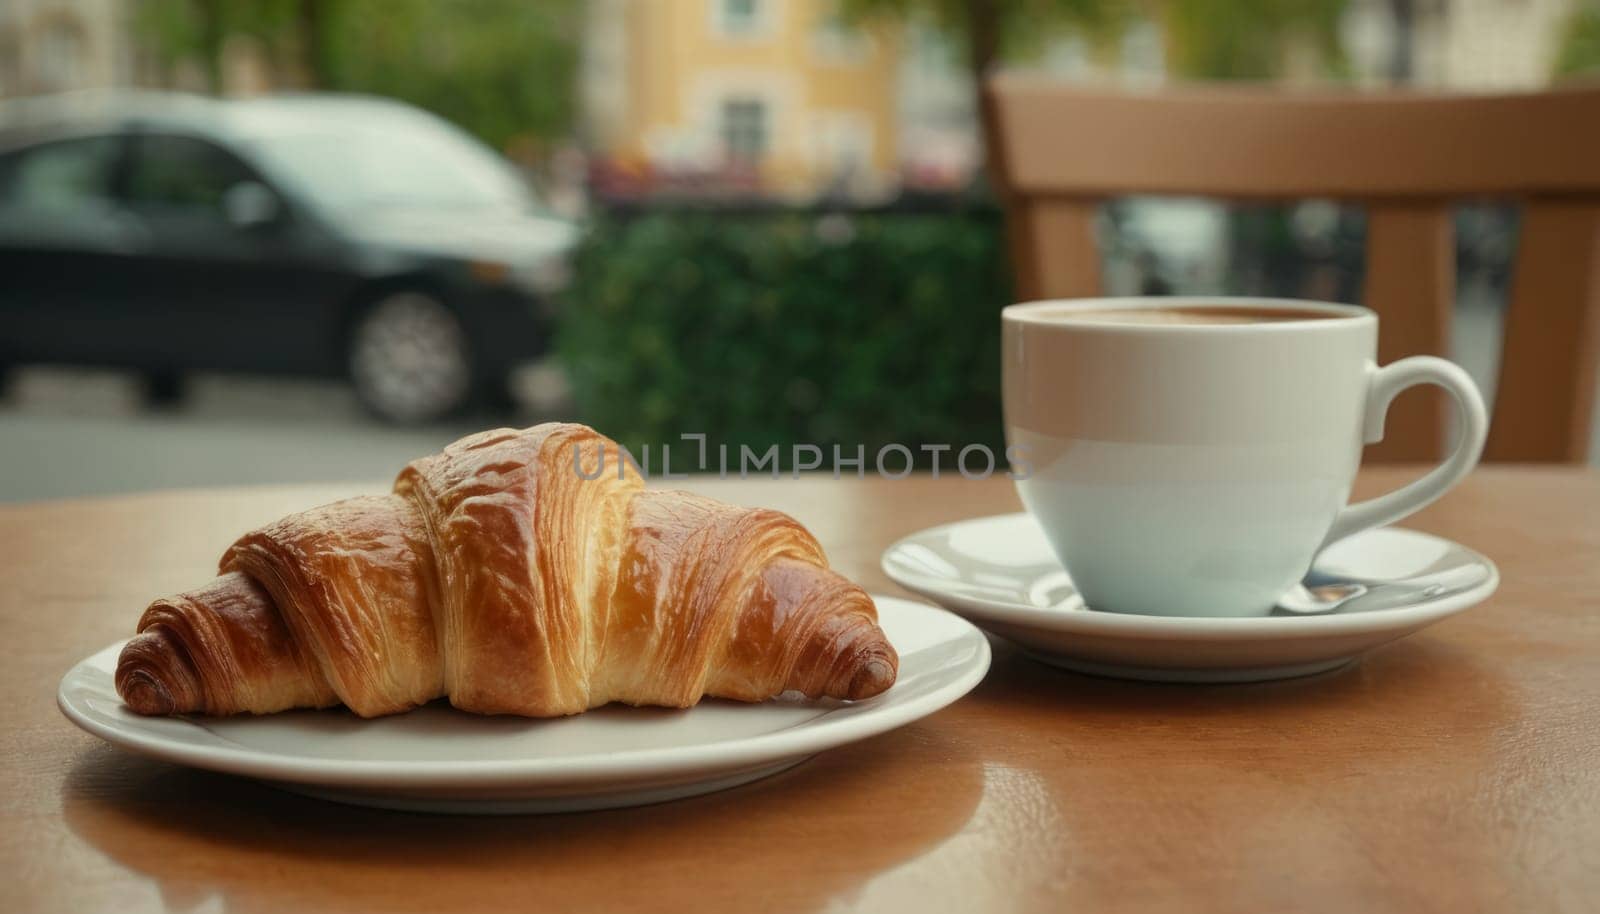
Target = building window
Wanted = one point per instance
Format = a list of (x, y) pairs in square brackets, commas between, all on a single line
[(740, 18), (744, 130), (1142, 54), (837, 42), (60, 56), (10, 64), (841, 148)]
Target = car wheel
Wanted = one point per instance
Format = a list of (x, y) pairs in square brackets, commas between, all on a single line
[(409, 358)]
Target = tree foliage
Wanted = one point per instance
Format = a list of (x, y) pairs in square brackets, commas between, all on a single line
[(503, 69), (1245, 39), (1580, 45), (1206, 39), (1018, 26)]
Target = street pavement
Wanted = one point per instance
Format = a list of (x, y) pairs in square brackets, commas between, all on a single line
[(72, 432)]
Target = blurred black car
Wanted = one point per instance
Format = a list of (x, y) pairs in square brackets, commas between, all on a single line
[(314, 234)]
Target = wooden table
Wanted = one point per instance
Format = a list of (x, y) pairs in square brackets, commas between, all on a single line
[(1457, 770)]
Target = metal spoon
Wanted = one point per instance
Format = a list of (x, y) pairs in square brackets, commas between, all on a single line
[(1319, 599), (1327, 594)]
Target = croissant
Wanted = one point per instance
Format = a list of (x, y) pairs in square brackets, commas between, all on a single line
[(497, 575)]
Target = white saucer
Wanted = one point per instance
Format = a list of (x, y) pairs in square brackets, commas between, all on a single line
[(1001, 573), (436, 759)]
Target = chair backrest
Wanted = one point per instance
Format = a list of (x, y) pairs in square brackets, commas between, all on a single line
[(1406, 157)]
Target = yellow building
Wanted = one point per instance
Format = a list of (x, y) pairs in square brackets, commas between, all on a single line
[(64, 45), (779, 90)]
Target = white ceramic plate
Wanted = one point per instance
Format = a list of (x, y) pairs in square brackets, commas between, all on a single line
[(436, 759), (1001, 573)]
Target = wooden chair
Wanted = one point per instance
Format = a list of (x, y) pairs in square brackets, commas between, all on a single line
[(1406, 157)]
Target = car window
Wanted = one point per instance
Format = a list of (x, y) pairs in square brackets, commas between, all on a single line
[(61, 176), (182, 173)]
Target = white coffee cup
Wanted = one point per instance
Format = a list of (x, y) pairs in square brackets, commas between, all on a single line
[(1190, 456)]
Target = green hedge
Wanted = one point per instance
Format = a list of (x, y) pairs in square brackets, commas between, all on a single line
[(789, 327)]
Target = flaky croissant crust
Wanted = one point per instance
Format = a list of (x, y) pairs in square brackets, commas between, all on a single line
[(497, 575)]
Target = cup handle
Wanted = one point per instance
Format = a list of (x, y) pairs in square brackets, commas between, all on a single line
[(1386, 383)]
